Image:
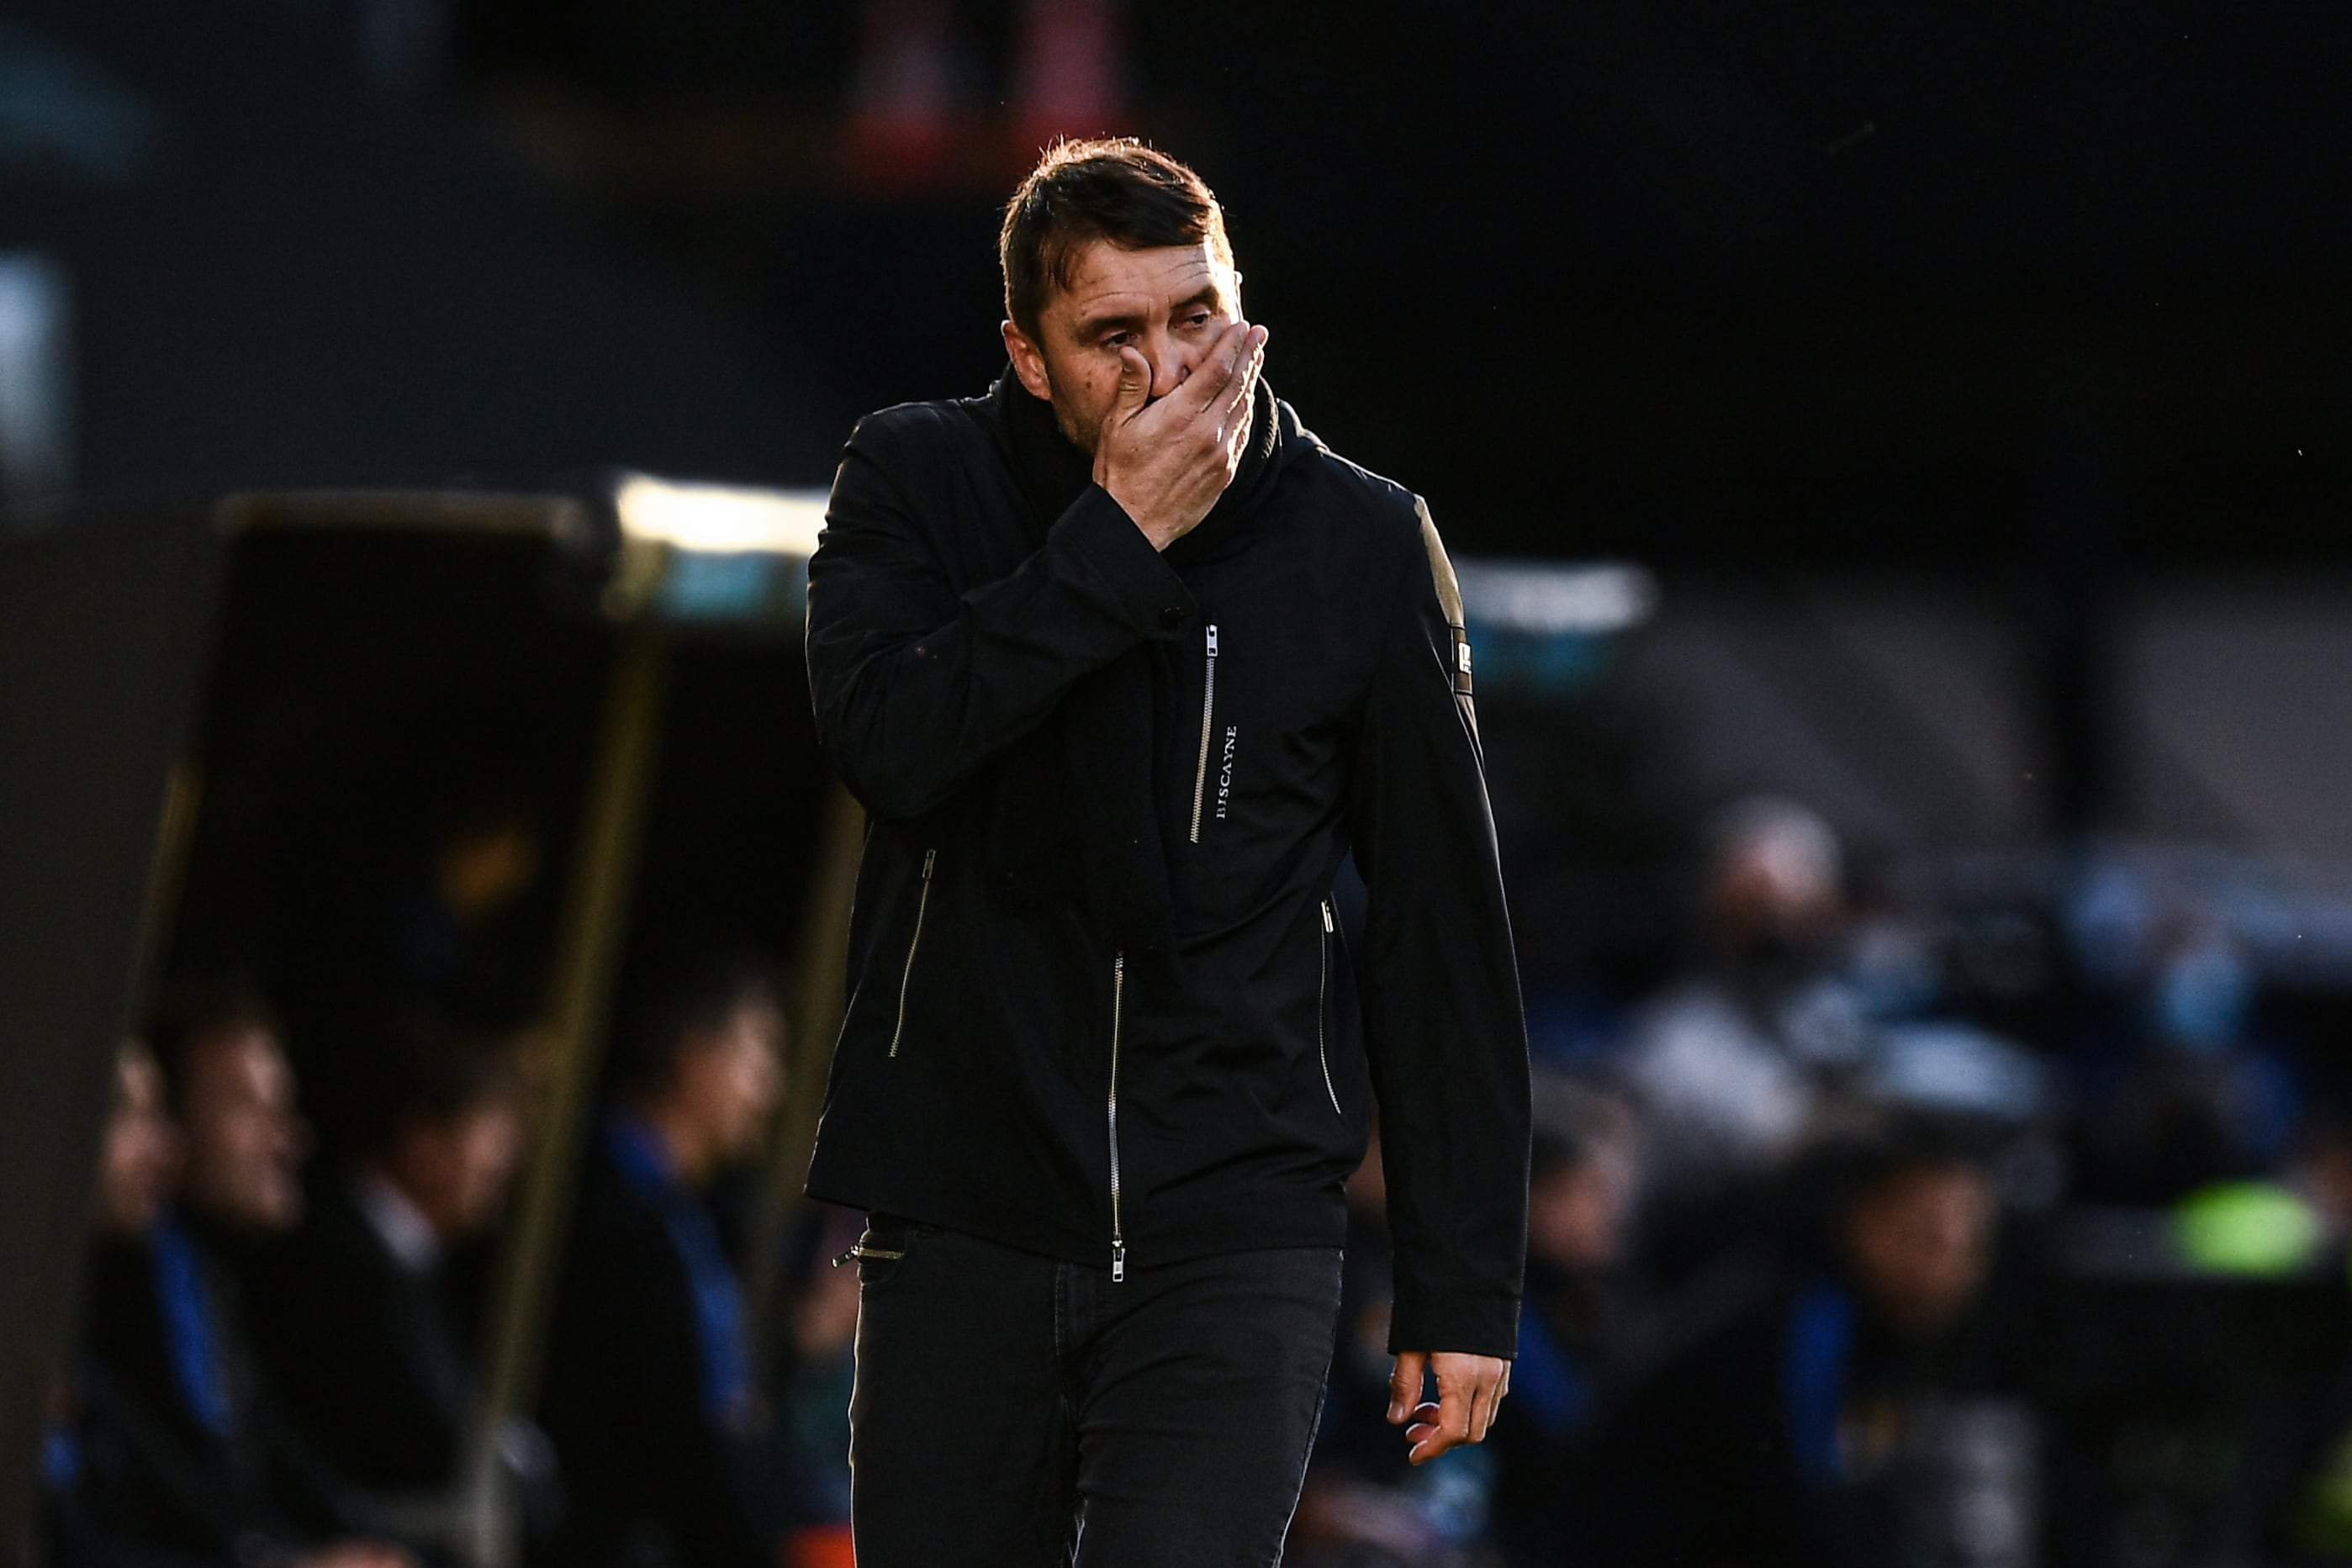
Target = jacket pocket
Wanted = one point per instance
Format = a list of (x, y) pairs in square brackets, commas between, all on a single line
[(914, 945)]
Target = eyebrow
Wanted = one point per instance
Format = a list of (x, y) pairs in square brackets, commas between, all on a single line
[(1088, 327)]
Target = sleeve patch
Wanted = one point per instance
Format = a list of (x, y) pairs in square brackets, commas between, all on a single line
[(1449, 600)]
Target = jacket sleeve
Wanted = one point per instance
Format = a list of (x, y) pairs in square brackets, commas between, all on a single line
[(917, 686), (1439, 983)]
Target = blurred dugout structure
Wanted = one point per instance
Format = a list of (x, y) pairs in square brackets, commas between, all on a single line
[(235, 733)]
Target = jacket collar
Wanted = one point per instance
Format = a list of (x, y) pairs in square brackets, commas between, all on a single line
[(1053, 473)]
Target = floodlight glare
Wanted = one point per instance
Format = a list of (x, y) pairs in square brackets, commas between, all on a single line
[(721, 519)]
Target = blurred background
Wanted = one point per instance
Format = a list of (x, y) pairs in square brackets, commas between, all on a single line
[(1895, 457)]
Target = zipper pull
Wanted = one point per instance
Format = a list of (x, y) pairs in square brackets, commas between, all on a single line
[(1213, 641), (1117, 1262), (1327, 916), (863, 1251)]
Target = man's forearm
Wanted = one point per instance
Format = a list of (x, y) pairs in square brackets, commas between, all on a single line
[(917, 686)]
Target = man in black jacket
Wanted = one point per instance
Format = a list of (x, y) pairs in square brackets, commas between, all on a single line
[(1123, 662), (668, 1451), (355, 1317)]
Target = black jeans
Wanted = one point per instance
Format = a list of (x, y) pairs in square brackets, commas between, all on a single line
[(1013, 1411)]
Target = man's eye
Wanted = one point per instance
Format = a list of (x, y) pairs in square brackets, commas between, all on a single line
[(1118, 339)]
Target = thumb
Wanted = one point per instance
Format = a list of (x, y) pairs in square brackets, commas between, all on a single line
[(1134, 386), (1404, 1385)]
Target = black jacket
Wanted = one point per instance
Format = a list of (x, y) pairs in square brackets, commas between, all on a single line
[(1100, 1007), (653, 1477), (152, 1482), (367, 1355)]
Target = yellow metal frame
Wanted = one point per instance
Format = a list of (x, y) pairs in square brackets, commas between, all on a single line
[(596, 923)]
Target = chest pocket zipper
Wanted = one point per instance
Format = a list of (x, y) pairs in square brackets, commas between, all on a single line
[(1208, 717), (907, 976), (1322, 994)]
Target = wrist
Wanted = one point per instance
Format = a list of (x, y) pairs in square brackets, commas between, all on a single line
[(1159, 530)]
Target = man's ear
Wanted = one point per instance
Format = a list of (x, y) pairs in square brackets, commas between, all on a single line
[(1028, 363)]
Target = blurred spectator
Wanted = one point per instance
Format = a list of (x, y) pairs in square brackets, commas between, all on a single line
[(353, 1317), (1574, 1326), (667, 1453), (2319, 1168), (139, 1156), (233, 1095), (1364, 1505), (1726, 1064), (1857, 1417), (2181, 1094), (139, 1160), (174, 1453)]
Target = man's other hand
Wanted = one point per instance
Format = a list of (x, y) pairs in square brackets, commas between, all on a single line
[(1166, 462), (1470, 1388)]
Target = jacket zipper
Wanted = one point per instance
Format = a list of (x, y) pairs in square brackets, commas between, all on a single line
[(907, 976), (863, 1251), (1208, 712), (1322, 990), (1117, 1005)]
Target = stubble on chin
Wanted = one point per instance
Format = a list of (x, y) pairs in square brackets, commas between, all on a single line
[(1079, 435)]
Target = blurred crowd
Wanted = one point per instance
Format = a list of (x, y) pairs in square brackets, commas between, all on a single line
[(1888, 1231), (1869, 1235), (279, 1359)]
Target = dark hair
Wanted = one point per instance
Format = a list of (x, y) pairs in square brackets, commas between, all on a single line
[(686, 995), (1113, 188), (190, 1011), (422, 1065), (1852, 1166)]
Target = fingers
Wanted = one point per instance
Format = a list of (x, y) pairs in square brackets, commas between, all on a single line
[(1404, 1385), (1470, 1392), (1423, 1429), (1216, 374), (1485, 1403), (1234, 399), (1446, 1425)]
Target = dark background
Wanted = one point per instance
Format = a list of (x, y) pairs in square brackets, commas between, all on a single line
[(1959, 285)]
